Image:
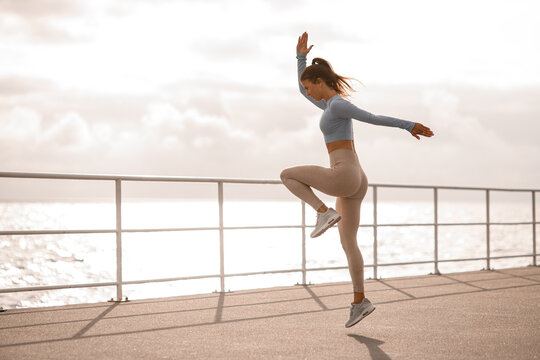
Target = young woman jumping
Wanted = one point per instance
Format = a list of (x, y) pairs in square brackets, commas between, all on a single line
[(345, 178)]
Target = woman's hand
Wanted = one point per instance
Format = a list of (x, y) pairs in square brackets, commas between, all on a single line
[(302, 44), (420, 129)]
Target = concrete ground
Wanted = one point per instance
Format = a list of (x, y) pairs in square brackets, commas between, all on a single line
[(473, 315)]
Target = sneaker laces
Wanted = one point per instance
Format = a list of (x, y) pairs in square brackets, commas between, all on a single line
[(319, 216)]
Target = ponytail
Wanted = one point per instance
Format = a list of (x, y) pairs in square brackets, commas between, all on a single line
[(321, 69)]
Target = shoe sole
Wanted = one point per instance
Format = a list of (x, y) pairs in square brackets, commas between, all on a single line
[(328, 226), (361, 317)]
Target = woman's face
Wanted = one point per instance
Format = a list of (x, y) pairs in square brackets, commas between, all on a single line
[(313, 89)]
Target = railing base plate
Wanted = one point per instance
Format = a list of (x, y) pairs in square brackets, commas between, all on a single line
[(118, 301)]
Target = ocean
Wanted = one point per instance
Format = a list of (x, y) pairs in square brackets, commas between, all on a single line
[(35, 260)]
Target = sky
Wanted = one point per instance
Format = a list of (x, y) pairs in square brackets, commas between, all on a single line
[(209, 88)]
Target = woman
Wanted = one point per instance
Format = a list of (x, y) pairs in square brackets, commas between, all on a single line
[(345, 178)]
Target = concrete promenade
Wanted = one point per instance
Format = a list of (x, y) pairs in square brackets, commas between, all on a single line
[(473, 315)]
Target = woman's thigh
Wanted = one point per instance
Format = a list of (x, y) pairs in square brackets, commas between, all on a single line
[(349, 209), (344, 181)]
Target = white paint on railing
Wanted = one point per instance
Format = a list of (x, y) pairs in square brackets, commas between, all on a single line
[(436, 232), (118, 196), (375, 231), (221, 239), (488, 251), (304, 277), (533, 193)]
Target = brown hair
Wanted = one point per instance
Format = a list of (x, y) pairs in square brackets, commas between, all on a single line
[(321, 69)]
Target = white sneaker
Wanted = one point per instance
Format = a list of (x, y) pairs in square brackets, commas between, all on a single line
[(325, 221), (359, 311)]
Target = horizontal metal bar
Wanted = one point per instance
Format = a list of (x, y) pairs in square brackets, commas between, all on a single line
[(408, 263), (72, 176), (54, 287), (448, 187), (332, 268), (454, 260), (509, 256), (264, 272), (466, 259), (217, 228), (430, 224), (55, 232), (511, 223), (65, 176), (449, 224), (58, 232), (398, 225), (135, 282), (311, 226), (234, 275), (263, 227), (485, 223), (168, 229), (101, 231)]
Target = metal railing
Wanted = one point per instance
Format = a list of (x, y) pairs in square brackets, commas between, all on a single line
[(119, 230)]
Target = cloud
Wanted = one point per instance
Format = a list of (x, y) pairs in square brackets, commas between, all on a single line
[(39, 31), (17, 85), (190, 126), (162, 133), (69, 133), (48, 21), (454, 126), (26, 141), (164, 117), (20, 124), (228, 49), (42, 8)]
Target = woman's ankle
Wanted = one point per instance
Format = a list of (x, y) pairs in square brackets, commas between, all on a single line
[(358, 297), (322, 209)]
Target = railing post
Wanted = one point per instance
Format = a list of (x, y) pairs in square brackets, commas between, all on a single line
[(488, 263), (436, 235), (221, 242), (534, 226), (374, 232), (118, 195), (304, 281)]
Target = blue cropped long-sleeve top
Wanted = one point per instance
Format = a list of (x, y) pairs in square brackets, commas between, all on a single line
[(336, 123)]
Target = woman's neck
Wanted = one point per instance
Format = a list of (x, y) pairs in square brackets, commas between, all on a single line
[(329, 93)]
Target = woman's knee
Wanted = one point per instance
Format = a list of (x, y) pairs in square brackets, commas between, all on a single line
[(349, 244), (284, 174), (291, 173), (352, 251)]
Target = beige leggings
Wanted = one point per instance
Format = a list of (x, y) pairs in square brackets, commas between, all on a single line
[(346, 180)]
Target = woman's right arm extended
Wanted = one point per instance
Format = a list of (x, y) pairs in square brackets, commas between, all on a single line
[(301, 54)]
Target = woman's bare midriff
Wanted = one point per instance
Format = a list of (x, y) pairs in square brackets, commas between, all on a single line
[(341, 144)]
